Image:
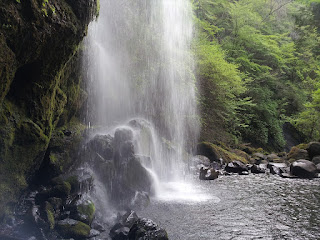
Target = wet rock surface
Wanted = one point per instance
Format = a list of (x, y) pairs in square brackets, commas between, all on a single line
[(131, 227), (303, 168)]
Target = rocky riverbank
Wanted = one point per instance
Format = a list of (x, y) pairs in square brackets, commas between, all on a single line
[(303, 161)]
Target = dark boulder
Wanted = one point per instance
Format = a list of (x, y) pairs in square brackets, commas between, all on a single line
[(303, 168), (206, 149), (148, 230), (316, 159), (123, 144), (318, 167), (130, 227), (313, 149), (101, 144), (257, 169), (208, 174), (236, 167), (121, 229), (274, 169)]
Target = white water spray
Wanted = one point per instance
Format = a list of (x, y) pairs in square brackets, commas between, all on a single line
[(140, 67)]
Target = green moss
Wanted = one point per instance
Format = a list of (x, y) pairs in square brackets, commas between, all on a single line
[(302, 146), (53, 159), (220, 152), (62, 190), (74, 183), (49, 215), (74, 229), (87, 209), (98, 8)]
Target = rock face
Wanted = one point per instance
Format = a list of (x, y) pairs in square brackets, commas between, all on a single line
[(303, 168), (116, 165), (39, 82)]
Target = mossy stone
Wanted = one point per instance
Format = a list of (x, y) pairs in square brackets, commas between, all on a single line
[(70, 228), (74, 183), (86, 210), (48, 214)]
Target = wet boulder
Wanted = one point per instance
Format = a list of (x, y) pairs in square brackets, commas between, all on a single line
[(303, 169), (208, 174), (274, 169), (70, 228), (123, 144), (147, 229), (101, 144), (201, 161), (121, 229), (257, 169), (318, 167), (313, 149), (83, 210), (236, 167), (130, 178), (140, 201)]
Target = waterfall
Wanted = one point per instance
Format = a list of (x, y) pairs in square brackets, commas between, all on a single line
[(140, 76)]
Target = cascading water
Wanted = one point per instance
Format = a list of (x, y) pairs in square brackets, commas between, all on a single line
[(140, 76)]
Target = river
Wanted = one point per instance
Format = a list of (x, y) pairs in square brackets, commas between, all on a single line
[(240, 207)]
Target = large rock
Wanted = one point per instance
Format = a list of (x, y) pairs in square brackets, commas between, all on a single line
[(236, 167), (83, 210), (257, 169), (207, 149), (313, 149), (123, 144), (130, 227), (101, 144), (296, 154), (303, 168), (148, 230), (208, 174), (70, 228)]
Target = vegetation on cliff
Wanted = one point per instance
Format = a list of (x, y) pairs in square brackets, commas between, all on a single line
[(39, 83)]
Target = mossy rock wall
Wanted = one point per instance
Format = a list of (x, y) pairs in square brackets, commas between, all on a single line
[(40, 84)]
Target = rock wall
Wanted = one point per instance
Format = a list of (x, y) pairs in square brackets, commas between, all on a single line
[(40, 84)]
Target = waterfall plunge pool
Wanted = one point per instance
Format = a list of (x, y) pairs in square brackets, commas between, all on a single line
[(239, 207)]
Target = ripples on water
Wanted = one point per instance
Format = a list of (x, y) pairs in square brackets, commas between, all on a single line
[(239, 207)]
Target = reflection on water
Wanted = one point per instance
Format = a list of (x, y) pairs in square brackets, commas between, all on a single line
[(240, 207)]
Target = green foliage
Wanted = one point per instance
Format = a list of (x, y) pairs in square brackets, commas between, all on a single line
[(308, 121), (260, 60)]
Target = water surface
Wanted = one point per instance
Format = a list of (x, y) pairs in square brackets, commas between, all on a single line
[(240, 207)]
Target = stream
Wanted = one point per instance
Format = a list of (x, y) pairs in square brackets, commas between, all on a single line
[(239, 207)]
